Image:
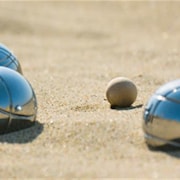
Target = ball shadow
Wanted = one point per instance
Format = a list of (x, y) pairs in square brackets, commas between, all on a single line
[(126, 108), (24, 135), (168, 149)]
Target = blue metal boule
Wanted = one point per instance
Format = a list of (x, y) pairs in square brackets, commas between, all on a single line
[(18, 103), (161, 116), (8, 59)]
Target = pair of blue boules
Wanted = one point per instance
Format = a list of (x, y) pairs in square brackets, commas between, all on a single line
[(18, 103)]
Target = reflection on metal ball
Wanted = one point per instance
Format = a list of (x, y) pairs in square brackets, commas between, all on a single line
[(8, 59), (161, 116), (18, 103)]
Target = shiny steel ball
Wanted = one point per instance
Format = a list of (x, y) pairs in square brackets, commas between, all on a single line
[(161, 116), (18, 103), (8, 59)]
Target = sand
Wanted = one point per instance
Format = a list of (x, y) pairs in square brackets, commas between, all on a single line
[(69, 51)]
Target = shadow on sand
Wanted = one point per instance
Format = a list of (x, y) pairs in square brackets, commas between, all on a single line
[(126, 108), (23, 135), (167, 149)]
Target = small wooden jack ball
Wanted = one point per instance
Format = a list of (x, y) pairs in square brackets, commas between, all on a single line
[(121, 92)]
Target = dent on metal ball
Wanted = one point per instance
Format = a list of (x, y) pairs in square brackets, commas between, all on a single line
[(161, 116), (18, 103), (8, 59)]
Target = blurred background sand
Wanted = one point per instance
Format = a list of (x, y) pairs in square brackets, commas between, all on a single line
[(69, 51)]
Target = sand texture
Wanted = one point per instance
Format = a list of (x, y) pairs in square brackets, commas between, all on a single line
[(69, 51)]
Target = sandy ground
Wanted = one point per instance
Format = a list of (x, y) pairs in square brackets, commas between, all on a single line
[(69, 52)]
